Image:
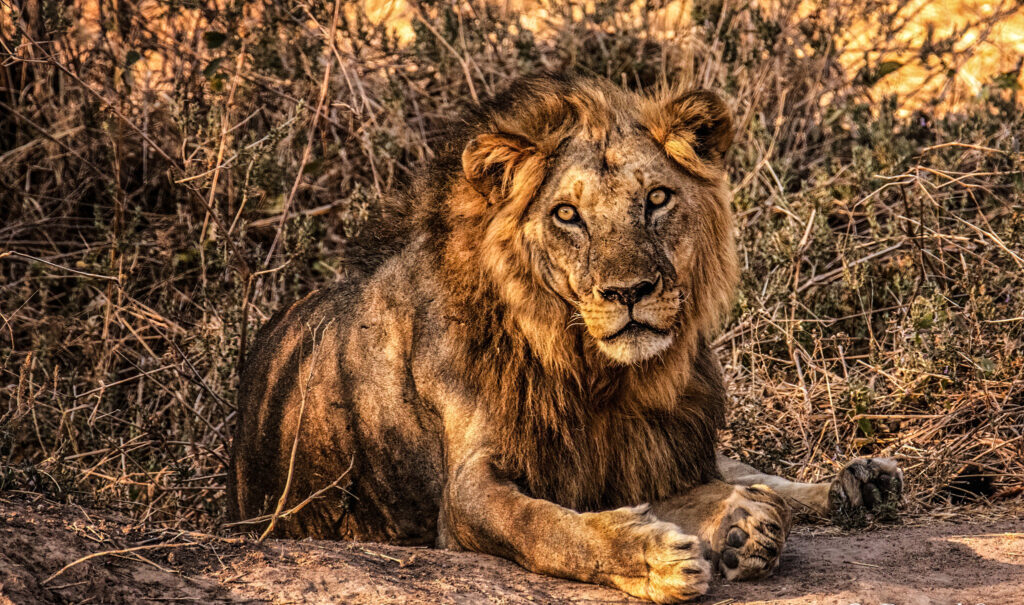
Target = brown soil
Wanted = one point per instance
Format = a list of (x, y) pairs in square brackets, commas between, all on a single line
[(926, 561)]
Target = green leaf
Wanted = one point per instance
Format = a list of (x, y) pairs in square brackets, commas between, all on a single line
[(886, 68), (871, 75), (313, 166), (214, 39), (211, 69), (986, 365), (132, 58), (1008, 80)]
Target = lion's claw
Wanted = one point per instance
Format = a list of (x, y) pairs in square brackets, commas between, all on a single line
[(674, 565), (678, 570)]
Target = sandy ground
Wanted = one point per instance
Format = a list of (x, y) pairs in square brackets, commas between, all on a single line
[(924, 561)]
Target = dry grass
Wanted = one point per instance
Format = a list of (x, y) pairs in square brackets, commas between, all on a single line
[(170, 175)]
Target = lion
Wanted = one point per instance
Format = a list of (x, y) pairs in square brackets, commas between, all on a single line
[(518, 363)]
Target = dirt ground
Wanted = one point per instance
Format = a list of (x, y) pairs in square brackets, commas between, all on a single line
[(979, 558)]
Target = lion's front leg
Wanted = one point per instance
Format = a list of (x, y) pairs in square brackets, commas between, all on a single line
[(627, 548), (745, 528)]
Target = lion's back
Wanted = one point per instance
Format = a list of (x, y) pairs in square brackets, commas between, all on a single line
[(331, 374)]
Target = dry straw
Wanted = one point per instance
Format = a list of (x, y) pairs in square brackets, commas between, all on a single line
[(172, 174)]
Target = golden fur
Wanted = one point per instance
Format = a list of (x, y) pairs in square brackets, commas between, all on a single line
[(518, 361)]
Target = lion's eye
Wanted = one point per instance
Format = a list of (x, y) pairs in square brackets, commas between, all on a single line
[(566, 214), (658, 197)]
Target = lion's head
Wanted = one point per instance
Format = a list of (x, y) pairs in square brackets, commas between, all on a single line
[(606, 206)]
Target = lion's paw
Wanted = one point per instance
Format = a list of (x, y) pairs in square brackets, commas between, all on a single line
[(752, 532), (676, 567), (678, 570), (866, 486)]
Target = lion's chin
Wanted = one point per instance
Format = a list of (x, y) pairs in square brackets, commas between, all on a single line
[(635, 346)]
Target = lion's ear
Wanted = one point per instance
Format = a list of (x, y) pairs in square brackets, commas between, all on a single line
[(491, 161), (695, 129)]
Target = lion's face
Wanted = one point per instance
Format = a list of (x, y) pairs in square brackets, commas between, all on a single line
[(615, 203), (611, 233)]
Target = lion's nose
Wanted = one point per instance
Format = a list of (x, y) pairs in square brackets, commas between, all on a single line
[(629, 295)]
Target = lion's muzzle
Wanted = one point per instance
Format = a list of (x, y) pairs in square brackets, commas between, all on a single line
[(632, 322)]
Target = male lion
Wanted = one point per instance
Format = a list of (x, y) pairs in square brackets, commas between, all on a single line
[(518, 363)]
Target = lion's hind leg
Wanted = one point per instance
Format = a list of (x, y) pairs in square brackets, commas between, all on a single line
[(864, 488), (744, 528)]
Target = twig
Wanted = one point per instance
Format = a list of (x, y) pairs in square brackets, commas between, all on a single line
[(458, 57), (825, 277), (295, 442), (383, 556), (55, 265), (298, 507), (324, 86), (119, 551), (51, 60), (225, 120), (41, 130), (864, 564)]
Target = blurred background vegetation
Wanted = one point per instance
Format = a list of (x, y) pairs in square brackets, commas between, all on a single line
[(173, 171)]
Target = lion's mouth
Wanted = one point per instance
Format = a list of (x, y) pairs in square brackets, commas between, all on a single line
[(635, 328)]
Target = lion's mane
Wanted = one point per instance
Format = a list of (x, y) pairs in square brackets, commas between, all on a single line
[(571, 426)]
